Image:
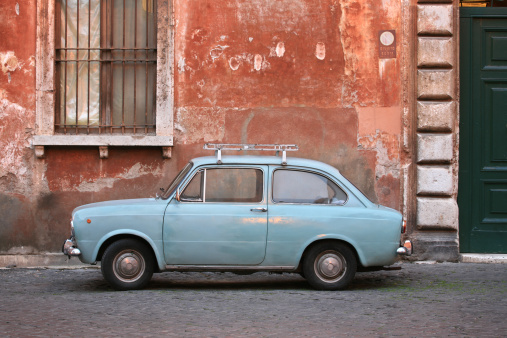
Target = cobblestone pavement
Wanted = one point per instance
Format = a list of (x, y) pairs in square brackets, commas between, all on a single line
[(420, 300)]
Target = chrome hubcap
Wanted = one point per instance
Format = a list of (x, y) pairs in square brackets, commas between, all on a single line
[(128, 265), (330, 266)]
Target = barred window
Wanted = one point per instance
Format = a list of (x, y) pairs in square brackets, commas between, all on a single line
[(105, 66)]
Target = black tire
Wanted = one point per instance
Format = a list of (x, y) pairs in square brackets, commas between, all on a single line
[(329, 266), (127, 264)]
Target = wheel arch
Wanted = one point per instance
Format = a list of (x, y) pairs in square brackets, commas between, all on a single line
[(119, 236), (328, 240)]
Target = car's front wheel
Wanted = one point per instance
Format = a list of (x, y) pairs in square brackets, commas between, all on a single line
[(329, 266), (127, 264)]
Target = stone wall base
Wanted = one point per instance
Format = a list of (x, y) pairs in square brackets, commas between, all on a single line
[(440, 247), (484, 258), (40, 260)]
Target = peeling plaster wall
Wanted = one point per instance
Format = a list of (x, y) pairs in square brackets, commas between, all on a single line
[(17, 115), (294, 71), (38, 195), (253, 71)]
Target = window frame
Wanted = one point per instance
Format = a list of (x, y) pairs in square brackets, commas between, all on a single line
[(310, 172), (46, 82), (203, 185), (173, 186)]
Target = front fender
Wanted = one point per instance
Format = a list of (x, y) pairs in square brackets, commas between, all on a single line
[(93, 250)]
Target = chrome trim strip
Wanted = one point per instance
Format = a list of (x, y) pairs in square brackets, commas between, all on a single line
[(204, 186), (229, 268)]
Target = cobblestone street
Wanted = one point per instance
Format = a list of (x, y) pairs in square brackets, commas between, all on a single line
[(419, 300)]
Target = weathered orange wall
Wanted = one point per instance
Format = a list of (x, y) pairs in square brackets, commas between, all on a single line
[(256, 71), (293, 71), (17, 118)]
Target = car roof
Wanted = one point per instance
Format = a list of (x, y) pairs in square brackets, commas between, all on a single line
[(277, 160), (264, 160)]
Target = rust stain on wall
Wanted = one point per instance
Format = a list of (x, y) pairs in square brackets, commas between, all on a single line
[(15, 137), (17, 29), (85, 172), (194, 125), (248, 72)]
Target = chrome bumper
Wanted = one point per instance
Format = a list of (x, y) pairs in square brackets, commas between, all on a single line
[(69, 249), (406, 249)]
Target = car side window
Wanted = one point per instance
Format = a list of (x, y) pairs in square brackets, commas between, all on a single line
[(237, 185), (193, 192), (293, 186), (234, 185)]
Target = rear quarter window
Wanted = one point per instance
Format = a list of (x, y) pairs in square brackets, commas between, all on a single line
[(295, 186)]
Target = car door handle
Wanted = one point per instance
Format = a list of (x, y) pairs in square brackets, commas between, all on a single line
[(259, 210)]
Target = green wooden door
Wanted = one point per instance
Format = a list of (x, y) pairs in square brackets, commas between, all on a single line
[(482, 195)]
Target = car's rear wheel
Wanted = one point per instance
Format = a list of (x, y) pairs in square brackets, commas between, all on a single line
[(329, 266), (127, 264)]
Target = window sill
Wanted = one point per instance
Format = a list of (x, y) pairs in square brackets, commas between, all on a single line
[(103, 142)]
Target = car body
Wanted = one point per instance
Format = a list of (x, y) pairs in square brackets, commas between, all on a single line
[(241, 214)]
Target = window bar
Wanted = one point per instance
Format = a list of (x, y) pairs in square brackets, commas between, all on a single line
[(77, 66), (106, 61), (146, 72), (58, 55), (106, 49), (154, 69), (111, 102), (135, 55), (123, 75), (65, 78), (88, 89), (103, 36)]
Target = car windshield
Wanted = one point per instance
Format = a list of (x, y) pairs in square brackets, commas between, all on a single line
[(176, 181)]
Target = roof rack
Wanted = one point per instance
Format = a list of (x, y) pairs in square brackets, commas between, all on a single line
[(218, 147)]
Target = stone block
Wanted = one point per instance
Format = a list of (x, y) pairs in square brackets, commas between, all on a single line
[(434, 148), (440, 247), (434, 180), (437, 213), (435, 84), (435, 52), (434, 20), (435, 116)]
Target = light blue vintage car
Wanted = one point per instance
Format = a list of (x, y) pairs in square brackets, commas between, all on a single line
[(241, 214)]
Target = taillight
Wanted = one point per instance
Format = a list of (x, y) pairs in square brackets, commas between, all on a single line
[(404, 226)]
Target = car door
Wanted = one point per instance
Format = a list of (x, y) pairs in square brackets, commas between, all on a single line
[(304, 205), (219, 219)]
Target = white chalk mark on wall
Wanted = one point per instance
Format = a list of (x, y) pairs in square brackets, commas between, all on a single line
[(320, 50), (258, 62), (280, 49)]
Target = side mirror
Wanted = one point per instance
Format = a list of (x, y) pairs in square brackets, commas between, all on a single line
[(178, 196)]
